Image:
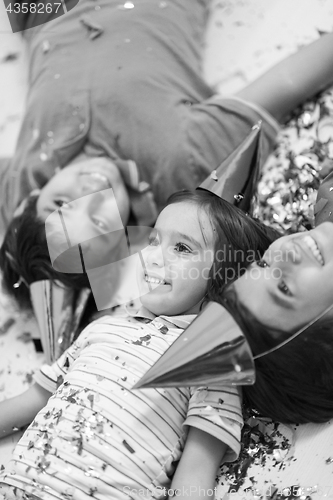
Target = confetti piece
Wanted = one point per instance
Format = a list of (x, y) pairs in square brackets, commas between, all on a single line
[(91, 399), (145, 338), (11, 57), (214, 176), (129, 448), (6, 325), (24, 337), (60, 381), (29, 377)]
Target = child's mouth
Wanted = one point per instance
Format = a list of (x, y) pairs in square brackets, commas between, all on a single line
[(154, 280)]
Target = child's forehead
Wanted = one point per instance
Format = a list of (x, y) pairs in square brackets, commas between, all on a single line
[(185, 218), (180, 215)]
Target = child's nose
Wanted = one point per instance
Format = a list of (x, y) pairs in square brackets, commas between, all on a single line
[(155, 256)]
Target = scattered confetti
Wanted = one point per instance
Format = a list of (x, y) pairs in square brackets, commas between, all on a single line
[(288, 186)]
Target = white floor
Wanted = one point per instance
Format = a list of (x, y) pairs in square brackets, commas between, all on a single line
[(245, 37)]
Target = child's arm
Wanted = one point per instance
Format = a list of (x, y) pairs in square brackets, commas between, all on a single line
[(196, 472), (293, 80), (21, 410)]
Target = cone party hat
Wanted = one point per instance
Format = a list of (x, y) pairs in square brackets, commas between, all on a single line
[(211, 351), (236, 178)]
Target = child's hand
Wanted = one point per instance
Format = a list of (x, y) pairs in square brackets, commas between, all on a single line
[(195, 476)]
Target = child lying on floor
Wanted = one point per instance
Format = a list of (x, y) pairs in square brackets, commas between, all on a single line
[(97, 437)]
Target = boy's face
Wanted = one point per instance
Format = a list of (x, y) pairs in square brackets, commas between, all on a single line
[(81, 178), (177, 261)]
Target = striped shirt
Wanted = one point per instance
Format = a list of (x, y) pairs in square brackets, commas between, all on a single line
[(97, 437)]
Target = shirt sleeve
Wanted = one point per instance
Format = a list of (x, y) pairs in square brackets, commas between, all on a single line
[(49, 376), (218, 412), (219, 124), (207, 133)]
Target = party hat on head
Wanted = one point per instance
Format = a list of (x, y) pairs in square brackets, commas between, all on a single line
[(211, 351), (236, 178)]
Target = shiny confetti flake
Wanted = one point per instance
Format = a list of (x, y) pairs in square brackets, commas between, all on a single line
[(91, 399), (261, 445)]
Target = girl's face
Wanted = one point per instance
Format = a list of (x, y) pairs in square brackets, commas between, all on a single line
[(177, 261), (293, 283)]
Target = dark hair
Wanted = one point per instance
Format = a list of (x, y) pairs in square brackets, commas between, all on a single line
[(24, 257), (294, 384), (239, 239)]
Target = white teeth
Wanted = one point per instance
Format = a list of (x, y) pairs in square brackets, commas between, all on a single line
[(312, 245), (154, 281)]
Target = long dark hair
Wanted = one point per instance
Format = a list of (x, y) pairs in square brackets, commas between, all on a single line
[(294, 384)]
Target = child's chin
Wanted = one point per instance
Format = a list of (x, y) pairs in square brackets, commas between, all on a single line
[(157, 307)]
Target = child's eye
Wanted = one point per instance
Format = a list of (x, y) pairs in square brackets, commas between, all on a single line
[(182, 248), (284, 289), (262, 263)]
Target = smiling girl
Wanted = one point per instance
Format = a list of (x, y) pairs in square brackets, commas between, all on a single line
[(96, 436)]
